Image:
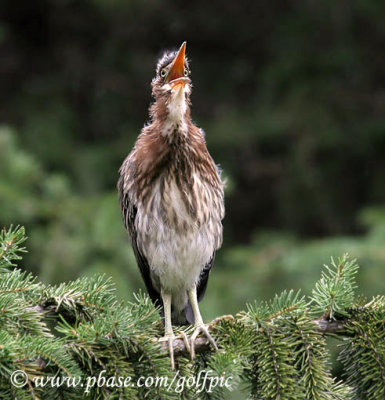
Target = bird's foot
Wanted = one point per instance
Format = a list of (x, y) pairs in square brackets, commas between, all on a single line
[(186, 342), (200, 328), (169, 338)]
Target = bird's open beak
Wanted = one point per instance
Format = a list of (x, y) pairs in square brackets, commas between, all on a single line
[(176, 73)]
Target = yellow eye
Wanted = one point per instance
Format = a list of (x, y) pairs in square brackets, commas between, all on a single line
[(186, 72), (163, 72)]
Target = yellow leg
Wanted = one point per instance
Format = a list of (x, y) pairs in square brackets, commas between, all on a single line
[(168, 332), (200, 327)]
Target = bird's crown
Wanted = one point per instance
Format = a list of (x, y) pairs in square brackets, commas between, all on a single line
[(173, 65), (167, 58)]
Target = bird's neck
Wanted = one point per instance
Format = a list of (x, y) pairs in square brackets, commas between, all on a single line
[(172, 114), (177, 106)]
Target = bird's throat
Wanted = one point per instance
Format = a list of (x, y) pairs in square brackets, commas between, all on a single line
[(177, 106)]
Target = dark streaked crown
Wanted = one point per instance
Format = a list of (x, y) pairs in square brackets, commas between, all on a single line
[(167, 58)]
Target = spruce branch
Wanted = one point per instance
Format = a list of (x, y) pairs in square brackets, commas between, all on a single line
[(363, 356), (329, 326), (10, 245), (202, 345), (277, 349), (334, 292)]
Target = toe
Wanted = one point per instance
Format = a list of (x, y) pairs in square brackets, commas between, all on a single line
[(201, 329), (209, 337), (171, 350), (185, 341)]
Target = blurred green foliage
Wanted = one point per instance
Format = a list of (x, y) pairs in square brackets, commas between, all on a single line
[(290, 94), (69, 234)]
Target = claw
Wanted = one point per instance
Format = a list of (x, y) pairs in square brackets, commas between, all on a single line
[(169, 338), (185, 341), (201, 328)]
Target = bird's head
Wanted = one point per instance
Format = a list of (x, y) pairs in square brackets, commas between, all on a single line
[(171, 86)]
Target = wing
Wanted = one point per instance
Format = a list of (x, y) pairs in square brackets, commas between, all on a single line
[(129, 211), (204, 277)]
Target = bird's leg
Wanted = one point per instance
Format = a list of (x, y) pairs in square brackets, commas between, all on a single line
[(168, 332), (200, 327)]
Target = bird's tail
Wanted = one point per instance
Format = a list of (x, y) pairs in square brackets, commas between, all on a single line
[(189, 315)]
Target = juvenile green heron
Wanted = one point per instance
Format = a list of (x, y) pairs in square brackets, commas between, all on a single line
[(171, 198)]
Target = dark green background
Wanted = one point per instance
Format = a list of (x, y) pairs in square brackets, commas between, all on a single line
[(291, 96)]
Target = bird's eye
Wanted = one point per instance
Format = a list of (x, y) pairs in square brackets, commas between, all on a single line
[(163, 72), (186, 72)]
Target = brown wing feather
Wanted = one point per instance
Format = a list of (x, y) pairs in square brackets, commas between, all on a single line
[(129, 211)]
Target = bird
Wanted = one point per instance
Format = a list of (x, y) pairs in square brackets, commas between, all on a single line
[(171, 196)]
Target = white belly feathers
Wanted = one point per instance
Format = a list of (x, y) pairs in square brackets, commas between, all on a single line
[(176, 246)]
